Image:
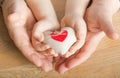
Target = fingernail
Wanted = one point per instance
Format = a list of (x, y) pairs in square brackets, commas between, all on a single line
[(36, 60)]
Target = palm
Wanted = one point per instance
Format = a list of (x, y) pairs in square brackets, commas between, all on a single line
[(82, 54), (20, 25), (94, 36), (99, 19)]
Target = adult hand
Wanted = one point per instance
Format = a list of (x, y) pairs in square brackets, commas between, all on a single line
[(96, 25), (92, 40), (20, 21), (99, 17)]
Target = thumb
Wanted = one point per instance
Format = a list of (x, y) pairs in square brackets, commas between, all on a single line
[(108, 28), (41, 27)]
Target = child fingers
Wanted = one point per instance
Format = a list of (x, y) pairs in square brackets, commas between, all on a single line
[(41, 46), (81, 31), (49, 52), (39, 29)]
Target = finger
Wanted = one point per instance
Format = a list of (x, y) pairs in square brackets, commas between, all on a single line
[(18, 32), (49, 52), (87, 49), (62, 69), (40, 27), (22, 41), (59, 61), (38, 59), (81, 31), (108, 28), (20, 38), (40, 46), (47, 64), (38, 34), (85, 52), (52, 52)]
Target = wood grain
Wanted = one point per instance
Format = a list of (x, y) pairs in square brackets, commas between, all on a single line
[(104, 63)]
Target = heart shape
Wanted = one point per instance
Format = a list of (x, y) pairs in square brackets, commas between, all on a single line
[(59, 36), (60, 41)]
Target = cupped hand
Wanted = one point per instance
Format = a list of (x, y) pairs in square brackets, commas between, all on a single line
[(20, 21), (99, 22), (78, 24), (46, 21), (92, 40), (40, 27), (99, 17)]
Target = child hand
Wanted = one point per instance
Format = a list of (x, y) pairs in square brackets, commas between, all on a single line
[(46, 20), (74, 13), (78, 24), (38, 35)]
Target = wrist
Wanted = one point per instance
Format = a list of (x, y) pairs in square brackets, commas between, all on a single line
[(75, 13), (52, 20), (76, 7)]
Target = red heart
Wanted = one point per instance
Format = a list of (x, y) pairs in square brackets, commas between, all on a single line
[(59, 37)]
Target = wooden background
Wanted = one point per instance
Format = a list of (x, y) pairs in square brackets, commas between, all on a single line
[(104, 63)]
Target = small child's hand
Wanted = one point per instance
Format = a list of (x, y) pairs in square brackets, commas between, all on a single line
[(46, 20), (78, 24), (99, 17), (38, 35), (74, 13)]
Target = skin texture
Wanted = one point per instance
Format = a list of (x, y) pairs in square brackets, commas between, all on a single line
[(46, 20), (26, 29), (74, 13), (20, 25), (97, 26)]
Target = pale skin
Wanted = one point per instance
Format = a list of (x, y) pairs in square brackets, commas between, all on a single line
[(42, 11), (21, 29), (20, 25), (46, 20), (74, 13), (97, 28)]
